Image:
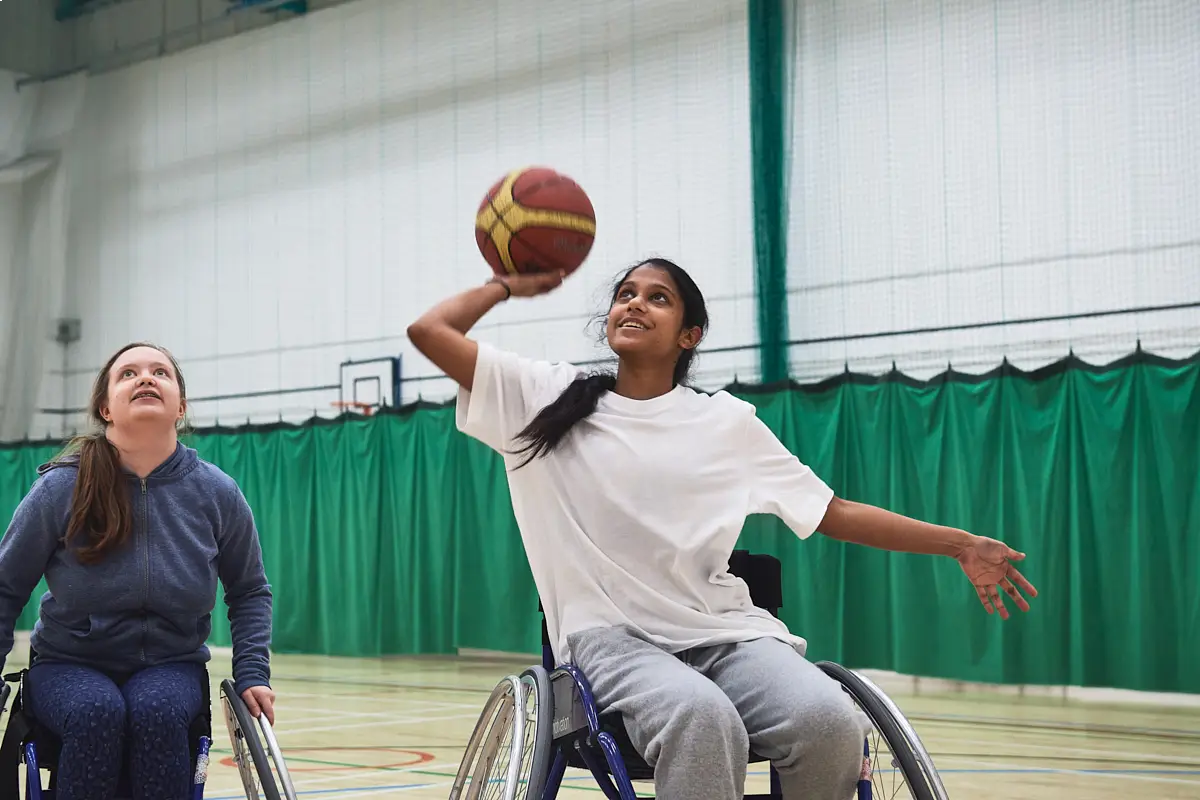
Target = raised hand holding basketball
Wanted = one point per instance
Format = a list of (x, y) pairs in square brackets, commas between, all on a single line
[(535, 220), (532, 284)]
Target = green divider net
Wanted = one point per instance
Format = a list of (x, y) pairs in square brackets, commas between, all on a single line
[(771, 53), (394, 535)]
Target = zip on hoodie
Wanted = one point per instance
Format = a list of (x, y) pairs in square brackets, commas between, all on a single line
[(146, 552)]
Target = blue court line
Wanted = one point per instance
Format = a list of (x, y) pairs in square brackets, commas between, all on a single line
[(1037, 770), (1028, 771), (340, 789)]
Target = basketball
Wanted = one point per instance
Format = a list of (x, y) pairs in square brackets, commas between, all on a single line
[(535, 220)]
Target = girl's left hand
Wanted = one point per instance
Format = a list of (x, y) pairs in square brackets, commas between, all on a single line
[(260, 700), (986, 563)]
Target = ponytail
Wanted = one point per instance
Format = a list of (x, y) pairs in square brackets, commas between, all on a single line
[(576, 403), (101, 515)]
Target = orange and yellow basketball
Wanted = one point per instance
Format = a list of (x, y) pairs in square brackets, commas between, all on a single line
[(535, 220)]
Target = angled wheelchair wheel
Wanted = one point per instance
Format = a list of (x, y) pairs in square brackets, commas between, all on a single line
[(256, 752), (539, 732), (893, 744), (507, 756)]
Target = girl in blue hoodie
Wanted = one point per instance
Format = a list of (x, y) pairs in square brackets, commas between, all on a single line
[(132, 531)]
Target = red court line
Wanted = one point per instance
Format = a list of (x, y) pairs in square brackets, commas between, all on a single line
[(296, 764)]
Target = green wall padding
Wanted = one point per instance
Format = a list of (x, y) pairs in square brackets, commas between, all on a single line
[(393, 535), (18, 470)]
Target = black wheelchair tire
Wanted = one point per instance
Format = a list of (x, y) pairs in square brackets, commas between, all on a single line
[(258, 753), (882, 717), (543, 743)]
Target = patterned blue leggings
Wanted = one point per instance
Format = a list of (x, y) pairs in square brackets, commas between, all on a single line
[(101, 722)]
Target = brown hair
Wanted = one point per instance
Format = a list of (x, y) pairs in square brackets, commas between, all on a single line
[(101, 515)]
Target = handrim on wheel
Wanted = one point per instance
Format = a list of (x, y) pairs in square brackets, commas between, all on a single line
[(916, 767), (248, 745), (540, 731), (496, 762)]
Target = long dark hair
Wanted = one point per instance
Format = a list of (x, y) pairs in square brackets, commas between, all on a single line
[(577, 402), (101, 515)]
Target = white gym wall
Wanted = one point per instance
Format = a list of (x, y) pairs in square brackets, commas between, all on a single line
[(990, 160), (272, 204), (36, 123)]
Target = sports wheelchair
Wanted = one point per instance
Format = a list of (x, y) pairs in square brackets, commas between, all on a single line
[(536, 724), (28, 742)]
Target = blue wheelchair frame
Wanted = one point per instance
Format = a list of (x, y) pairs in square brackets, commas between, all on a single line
[(22, 725), (580, 729)]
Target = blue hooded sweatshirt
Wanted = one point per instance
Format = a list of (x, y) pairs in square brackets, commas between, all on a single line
[(149, 602)]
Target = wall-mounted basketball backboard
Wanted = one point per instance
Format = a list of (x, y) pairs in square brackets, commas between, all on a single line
[(371, 381)]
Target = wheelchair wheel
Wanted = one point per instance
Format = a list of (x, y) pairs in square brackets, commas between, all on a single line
[(893, 741), (539, 732), (250, 755), (507, 756)]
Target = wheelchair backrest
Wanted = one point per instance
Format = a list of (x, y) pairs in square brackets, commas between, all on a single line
[(763, 575)]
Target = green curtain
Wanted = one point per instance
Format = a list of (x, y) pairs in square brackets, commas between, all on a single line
[(771, 56), (18, 471), (394, 535)]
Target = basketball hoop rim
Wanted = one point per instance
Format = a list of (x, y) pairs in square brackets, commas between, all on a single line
[(366, 409)]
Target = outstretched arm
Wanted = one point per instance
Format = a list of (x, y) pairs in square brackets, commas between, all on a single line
[(859, 523), (985, 561), (440, 333), (782, 485)]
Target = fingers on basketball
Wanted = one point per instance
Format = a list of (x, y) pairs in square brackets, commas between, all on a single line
[(535, 220)]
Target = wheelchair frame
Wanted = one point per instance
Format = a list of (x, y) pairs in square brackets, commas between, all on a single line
[(582, 737), (25, 734), (31, 734)]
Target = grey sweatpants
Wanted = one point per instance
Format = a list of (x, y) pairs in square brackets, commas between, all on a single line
[(695, 716)]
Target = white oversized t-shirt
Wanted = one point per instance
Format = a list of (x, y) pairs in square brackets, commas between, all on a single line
[(631, 520)]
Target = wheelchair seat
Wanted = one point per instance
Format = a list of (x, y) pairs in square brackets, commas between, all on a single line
[(25, 738), (763, 575)]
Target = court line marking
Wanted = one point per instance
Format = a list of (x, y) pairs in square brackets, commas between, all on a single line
[(290, 732), (282, 713), (314, 781), (1126, 774), (1086, 728), (1125, 755), (915, 716)]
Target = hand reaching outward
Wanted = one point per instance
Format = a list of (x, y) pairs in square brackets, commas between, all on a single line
[(986, 564)]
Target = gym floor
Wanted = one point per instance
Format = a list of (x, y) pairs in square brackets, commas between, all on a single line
[(397, 726)]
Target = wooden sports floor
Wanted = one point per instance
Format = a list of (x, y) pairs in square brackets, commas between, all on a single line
[(396, 727)]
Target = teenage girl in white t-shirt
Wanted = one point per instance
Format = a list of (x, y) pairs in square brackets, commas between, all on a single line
[(631, 491)]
